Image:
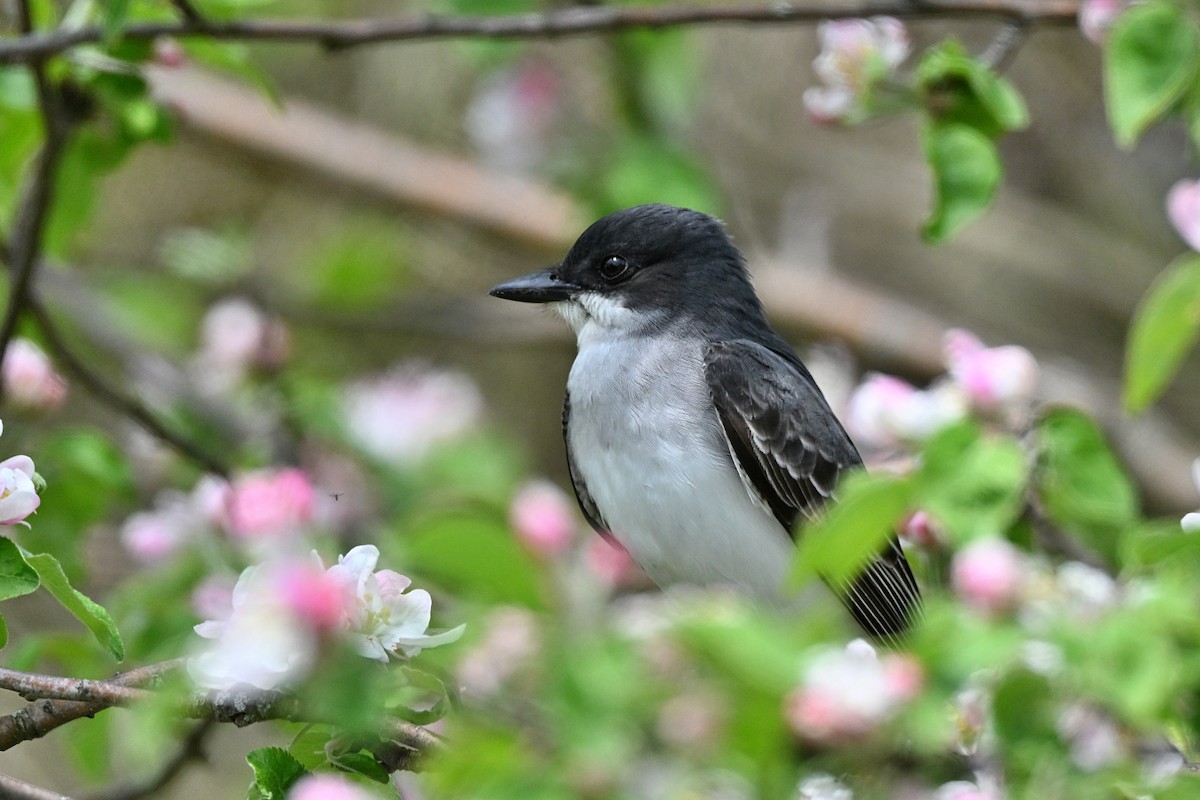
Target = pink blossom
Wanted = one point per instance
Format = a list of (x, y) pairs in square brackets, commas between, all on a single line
[(991, 377), (235, 337), (313, 594), (383, 620), (885, 411), (903, 676), (1097, 16), (326, 786), (152, 537), (260, 644), (211, 498), (18, 493), (168, 52), (511, 118), (846, 694), (987, 574), (1183, 207), (213, 597), (543, 517), (1094, 737), (29, 377), (511, 639), (609, 561), (400, 416), (270, 504), (922, 530), (856, 55), (1191, 522)]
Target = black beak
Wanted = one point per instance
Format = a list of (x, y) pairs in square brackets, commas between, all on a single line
[(540, 287)]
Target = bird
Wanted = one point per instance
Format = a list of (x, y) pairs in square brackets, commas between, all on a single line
[(695, 435)]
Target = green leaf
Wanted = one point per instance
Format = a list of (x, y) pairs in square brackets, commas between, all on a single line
[(477, 556), (84, 608), (966, 175), (972, 482), (1154, 543), (275, 770), (960, 89), (3, 631), (362, 763), (1150, 58), (16, 577), (857, 527), (115, 12), (1166, 325), (1082, 485)]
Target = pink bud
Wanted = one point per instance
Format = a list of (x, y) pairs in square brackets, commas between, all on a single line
[(1096, 17), (326, 786), (1183, 207), (990, 377), (903, 675), (610, 561), (987, 574), (151, 537), (543, 517), (317, 598), (270, 504), (29, 377), (169, 53), (921, 529)]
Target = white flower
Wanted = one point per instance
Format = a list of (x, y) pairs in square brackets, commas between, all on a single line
[(885, 410), (381, 618), (822, 786), (261, 644), (856, 54), (399, 416), (18, 494), (29, 377)]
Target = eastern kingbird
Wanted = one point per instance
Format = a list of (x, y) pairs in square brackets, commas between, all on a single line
[(695, 436)]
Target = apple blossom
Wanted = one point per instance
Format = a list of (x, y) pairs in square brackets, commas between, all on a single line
[(236, 335), (29, 378), (987, 574), (510, 118), (152, 537), (511, 638), (270, 504), (18, 491), (1094, 738), (260, 644), (922, 529), (327, 786), (609, 561), (885, 411), (1191, 522), (822, 786), (846, 694), (382, 620), (991, 377), (543, 517), (1183, 207), (692, 720), (964, 790), (399, 416), (213, 597), (1097, 16), (856, 55)]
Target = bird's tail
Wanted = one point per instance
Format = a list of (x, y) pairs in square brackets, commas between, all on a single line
[(885, 598)]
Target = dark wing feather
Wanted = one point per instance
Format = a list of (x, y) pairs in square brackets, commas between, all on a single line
[(791, 449), (586, 505)]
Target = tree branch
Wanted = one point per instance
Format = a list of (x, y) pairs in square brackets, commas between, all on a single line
[(59, 700), (337, 34), (15, 789), (24, 252), (122, 402)]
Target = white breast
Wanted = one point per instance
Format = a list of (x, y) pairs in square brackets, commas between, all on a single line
[(647, 442)]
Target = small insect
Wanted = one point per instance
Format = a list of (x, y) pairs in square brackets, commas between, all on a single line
[(336, 495)]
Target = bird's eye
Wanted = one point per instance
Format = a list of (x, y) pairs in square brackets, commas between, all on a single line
[(614, 268)]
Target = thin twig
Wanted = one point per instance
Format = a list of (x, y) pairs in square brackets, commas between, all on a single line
[(187, 10), (16, 789), (1004, 45), (24, 251), (336, 34), (125, 403)]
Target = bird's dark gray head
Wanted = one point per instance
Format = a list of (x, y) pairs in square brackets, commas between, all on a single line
[(644, 266)]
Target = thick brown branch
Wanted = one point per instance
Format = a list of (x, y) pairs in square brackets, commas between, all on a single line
[(574, 21)]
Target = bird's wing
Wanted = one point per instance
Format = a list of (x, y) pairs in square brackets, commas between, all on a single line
[(586, 504), (790, 450)]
